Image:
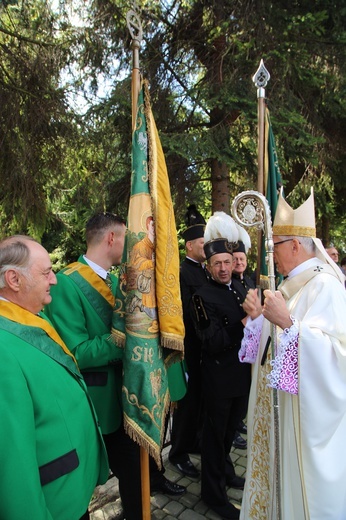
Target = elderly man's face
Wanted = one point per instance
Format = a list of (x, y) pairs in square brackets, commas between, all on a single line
[(195, 249), (35, 283), (333, 253), (220, 267), (283, 254), (240, 263)]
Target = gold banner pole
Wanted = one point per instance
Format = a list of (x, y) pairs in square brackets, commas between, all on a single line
[(135, 28), (260, 79)]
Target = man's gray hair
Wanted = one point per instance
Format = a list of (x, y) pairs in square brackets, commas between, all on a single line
[(307, 243), (14, 254)]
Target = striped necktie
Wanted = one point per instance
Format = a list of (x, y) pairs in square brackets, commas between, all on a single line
[(108, 280)]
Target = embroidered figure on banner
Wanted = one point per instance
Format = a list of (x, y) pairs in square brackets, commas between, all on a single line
[(141, 289)]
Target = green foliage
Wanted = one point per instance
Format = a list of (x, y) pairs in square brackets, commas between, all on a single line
[(32, 118), (61, 161)]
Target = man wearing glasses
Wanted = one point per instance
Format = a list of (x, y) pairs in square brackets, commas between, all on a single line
[(308, 373)]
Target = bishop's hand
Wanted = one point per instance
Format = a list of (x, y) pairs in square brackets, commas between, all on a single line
[(275, 310)]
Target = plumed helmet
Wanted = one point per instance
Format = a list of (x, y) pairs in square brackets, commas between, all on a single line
[(195, 224)]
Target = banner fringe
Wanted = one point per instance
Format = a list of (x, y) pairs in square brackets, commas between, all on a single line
[(174, 343), (138, 435), (118, 338)]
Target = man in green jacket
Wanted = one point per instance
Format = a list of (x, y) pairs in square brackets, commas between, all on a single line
[(51, 450), (81, 311)]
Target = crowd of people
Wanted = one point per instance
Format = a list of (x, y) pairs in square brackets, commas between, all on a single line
[(61, 372)]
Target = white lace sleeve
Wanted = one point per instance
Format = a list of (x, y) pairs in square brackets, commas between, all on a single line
[(284, 374), (251, 340)]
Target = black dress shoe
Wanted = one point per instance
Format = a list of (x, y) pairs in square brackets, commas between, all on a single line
[(228, 511), (188, 469), (239, 442), (167, 487), (235, 482)]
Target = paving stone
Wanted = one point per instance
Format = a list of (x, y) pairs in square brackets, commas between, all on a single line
[(211, 515), (111, 512), (189, 500), (174, 508), (242, 461), (194, 488), (201, 508), (98, 515), (158, 514), (106, 504), (189, 514), (235, 495), (159, 500)]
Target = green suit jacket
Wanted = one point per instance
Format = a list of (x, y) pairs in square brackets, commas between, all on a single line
[(81, 311), (51, 449)]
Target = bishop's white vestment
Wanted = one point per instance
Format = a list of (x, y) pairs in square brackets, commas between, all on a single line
[(312, 419)]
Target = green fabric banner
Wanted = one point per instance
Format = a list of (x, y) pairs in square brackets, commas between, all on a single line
[(272, 180), (139, 319)]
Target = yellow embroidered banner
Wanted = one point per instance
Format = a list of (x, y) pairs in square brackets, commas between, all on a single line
[(148, 312)]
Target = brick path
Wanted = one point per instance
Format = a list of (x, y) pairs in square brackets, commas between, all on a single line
[(106, 504)]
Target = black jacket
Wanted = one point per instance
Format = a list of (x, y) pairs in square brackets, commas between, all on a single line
[(192, 277), (217, 313)]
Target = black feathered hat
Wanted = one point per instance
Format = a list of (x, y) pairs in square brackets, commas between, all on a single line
[(223, 235), (239, 247), (195, 223)]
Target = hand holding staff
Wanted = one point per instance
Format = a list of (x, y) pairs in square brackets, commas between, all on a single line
[(275, 310)]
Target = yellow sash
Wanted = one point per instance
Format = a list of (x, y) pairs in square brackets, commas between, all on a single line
[(14, 312), (93, 279)]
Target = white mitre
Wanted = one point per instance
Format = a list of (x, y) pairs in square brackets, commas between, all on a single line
[(300, 222)]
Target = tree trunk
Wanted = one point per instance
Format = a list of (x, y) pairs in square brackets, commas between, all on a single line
[(220, 193)]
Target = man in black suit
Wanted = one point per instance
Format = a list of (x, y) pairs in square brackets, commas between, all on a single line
[(185, 436), (239, 273), (219, 319)]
